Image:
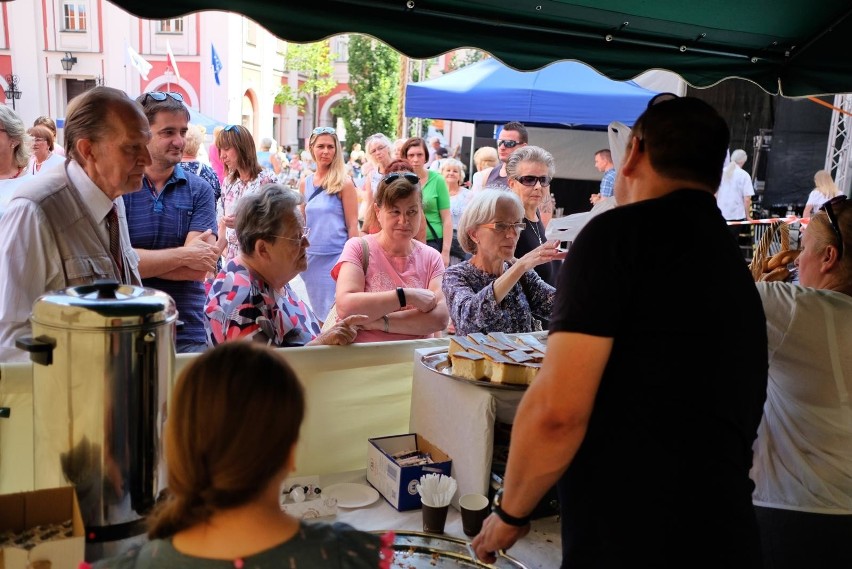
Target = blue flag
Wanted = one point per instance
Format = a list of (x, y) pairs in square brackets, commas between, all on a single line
[(217, 63)]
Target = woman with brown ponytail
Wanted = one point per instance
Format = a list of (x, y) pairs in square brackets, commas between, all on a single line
[(230, 443)]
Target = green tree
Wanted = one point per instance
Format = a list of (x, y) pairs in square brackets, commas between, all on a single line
[(374, 86), (314, 61), (464, 57)]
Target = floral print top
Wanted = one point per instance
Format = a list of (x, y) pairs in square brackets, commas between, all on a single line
[(473, 308), (241, 305), (231, 193)]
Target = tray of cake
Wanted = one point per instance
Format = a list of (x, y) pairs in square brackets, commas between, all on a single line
[(496, 360)]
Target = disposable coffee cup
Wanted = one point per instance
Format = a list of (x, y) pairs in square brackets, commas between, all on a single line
[(434, 518), (474, 509)]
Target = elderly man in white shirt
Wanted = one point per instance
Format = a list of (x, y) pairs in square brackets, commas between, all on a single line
[(69, 224)]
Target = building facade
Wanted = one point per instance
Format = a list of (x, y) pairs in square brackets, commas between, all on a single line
[(57, 49)]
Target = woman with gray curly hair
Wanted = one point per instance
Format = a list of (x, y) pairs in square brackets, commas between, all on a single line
[(14, 154), (493, 291), (251, 298)]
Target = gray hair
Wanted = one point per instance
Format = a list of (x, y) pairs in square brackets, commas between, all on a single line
[(453, 162), (90, 116), (266, 213), (534, 154), (482, 209), (15, 130), (265, 143), (379, 137)]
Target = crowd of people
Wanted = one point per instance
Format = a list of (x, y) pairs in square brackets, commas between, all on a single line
[(654, 414)]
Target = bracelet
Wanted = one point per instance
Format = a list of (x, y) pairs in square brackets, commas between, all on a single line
[(387, 323), (400, 294)]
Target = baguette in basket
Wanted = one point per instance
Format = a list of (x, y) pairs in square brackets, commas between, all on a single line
[(776, 266)]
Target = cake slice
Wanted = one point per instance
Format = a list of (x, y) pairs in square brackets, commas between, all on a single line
[(461, 344), (468, 365)]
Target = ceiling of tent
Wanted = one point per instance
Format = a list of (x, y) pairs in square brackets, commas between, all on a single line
[(796, 46)]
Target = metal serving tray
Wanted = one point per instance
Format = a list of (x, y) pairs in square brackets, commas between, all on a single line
[(416, 550), (439, 362)]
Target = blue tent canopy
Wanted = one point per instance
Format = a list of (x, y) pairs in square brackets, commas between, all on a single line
[(209, 123), (566, 93)]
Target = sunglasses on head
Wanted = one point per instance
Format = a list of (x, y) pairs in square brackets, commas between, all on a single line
[(507, 143), (160, 96), (531, 181), (323, 130), (231, 127), (409, 177), (828, 207)]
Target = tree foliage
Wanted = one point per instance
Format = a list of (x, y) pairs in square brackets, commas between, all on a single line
[(464, 57), (374, 69), (315, 62)]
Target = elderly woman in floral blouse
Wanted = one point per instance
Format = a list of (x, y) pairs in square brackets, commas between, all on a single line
[(250, 298), (493, 291)]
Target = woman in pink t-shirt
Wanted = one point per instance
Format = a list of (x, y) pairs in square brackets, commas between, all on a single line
[(401, 290)]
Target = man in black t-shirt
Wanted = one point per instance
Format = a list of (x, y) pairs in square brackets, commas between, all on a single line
[(652, 390)]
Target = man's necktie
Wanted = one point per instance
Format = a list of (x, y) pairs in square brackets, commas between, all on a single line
[(115, 241)]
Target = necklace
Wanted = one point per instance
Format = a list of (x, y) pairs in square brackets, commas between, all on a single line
[(533, 227), (38, 164), (18, 173)]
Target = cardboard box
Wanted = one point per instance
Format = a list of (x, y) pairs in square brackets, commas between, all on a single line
[(20, 512), (398, 484)]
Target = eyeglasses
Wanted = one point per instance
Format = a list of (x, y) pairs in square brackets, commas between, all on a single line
[(410, 177), (39, 139), (160, 96), (501, 227), (305, 233), (507, 143), (832, 218), (531, 181), (377, 149), (323, 130), (231, 127)]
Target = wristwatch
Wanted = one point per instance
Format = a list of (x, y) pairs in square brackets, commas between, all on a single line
[(400, 294), (507, 519)]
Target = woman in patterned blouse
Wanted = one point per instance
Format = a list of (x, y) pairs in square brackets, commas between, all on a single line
[(493, 291), (250, 297), (244, 177)]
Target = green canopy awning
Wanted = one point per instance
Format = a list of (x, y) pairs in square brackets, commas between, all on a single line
[(795, 47)]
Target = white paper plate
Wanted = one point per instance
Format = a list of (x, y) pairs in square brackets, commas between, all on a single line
[(351, 495)]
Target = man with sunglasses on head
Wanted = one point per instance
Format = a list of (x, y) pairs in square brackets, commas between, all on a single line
[(67, 227), (512, 136), (172, 219), (652, 389)]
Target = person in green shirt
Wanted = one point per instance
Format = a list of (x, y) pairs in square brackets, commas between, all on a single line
[(436, 198)]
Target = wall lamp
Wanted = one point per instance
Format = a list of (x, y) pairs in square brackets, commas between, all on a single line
[(68, 61)]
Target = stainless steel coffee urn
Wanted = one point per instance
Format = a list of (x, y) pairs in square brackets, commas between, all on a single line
[(104, 356)]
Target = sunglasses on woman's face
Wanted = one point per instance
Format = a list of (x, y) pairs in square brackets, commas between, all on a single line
[(508, 143), (531, 181), (410, 177), (832, 219), (160, 96)]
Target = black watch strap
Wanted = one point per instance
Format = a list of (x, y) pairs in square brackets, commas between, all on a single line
[(400, 294), (507, 518)]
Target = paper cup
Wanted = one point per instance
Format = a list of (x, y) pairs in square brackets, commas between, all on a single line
[(434, 518), (474, 509)]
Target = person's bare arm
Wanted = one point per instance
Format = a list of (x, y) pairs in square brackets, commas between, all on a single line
[(549, 427), (417, 322), (447, 230), (349, 197), (747, 206)]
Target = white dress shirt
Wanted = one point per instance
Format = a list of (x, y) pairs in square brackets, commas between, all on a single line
[(30, 264)]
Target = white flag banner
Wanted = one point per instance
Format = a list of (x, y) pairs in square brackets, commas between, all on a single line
[(172, 60), (137, 61)]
